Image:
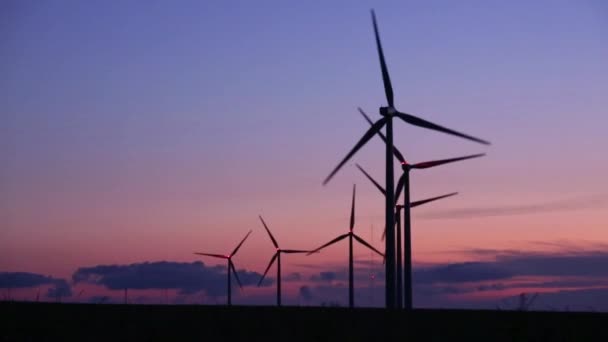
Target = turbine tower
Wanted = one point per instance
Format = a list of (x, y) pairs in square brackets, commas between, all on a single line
[(398, 235), (231, 267), (277, 257), (350, 235), (387, 114)]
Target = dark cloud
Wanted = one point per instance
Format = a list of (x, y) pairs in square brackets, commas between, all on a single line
[(186, 277), (509, 264), (461, 272), (328, 276), (569, 276), (24, 279), (306, 293), (565, 205), (340, 274), (295, 276), (59, 287), (556, 264)]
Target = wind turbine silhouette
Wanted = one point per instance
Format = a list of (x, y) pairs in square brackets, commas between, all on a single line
[(398, 237), (277, 257), (387, 119), (230, 266), (404, 185), (350, 235)]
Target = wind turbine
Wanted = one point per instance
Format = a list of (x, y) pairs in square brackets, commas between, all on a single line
[(387, 119), (404, 185), (398, 237), (230, 266), (350, 235), (277, 257)]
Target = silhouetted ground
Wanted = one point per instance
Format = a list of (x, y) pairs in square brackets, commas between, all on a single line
[(106, 322)]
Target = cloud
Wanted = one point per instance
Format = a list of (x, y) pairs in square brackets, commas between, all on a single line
[(461, 272), (328, 276), (306, 293), (59, 288), (361, 275), (294, 276), (186, 277), (24, 279), (564, 276), (564, 205), (509, 264)]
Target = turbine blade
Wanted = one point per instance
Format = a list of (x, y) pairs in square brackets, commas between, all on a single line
[(396, 152), (421, 202), (293, 251), (274, 242), (213, 255), (378, 186), (400, 185), (352, 210), (388, 88), (384, 231), (361, 241), (368, 135), (329, 243), (236, 276), (240, 244), (274, 257), (397, 217), (413, 120), (426, 165)]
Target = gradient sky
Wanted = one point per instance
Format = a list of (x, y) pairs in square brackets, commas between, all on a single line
[(136, 131)]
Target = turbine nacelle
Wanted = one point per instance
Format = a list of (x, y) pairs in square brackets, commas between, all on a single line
[(388, 111)]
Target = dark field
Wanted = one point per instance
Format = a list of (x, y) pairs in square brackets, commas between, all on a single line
[(89, 322)]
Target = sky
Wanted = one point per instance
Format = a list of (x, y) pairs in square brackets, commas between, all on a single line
[(138, 132)]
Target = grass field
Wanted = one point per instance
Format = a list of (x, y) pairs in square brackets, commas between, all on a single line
[(107, 322)]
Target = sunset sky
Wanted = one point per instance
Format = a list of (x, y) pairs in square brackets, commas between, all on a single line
[(143, 131)]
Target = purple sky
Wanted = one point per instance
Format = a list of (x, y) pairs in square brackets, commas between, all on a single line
[(144, 130)]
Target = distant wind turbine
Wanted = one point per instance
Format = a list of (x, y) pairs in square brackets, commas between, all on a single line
[(277, 257), (398, 237), (387, 114), (350, 235), (230, 266)]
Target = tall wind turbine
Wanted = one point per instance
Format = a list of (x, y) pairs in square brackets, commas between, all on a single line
[(277, 257), (404, 185), (231, 267), (398, 237), (350, 235), (387, 119)]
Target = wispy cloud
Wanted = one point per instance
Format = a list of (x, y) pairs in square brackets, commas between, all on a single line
[(588, 202)]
